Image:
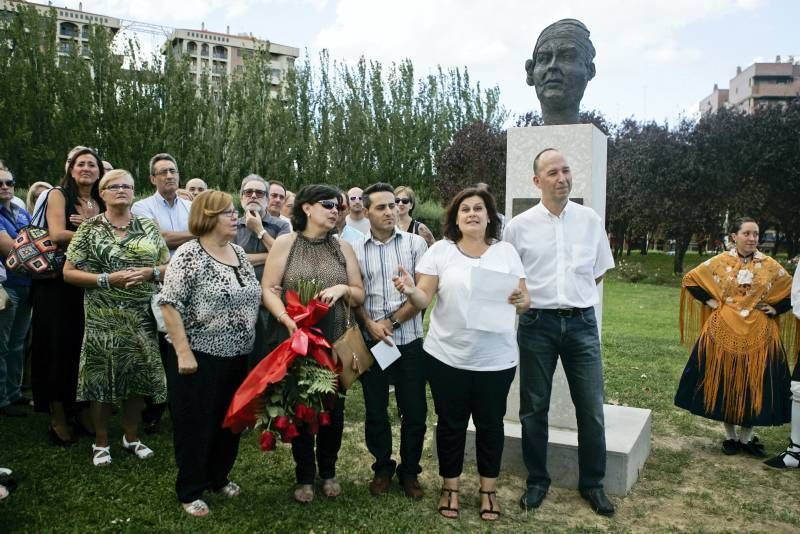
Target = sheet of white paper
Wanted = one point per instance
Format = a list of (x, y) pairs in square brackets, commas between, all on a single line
[(384, 354), (489, 309)]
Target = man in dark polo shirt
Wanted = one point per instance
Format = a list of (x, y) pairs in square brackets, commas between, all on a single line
[(256, 234)]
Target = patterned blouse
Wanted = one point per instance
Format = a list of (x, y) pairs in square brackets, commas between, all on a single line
[(217, 302)]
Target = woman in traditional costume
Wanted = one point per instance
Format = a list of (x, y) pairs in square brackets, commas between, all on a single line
[(738, 372)]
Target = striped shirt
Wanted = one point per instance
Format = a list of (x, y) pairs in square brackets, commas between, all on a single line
[(379, 262)]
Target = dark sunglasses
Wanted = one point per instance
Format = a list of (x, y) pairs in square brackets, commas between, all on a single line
[(354, 198), (8, 183), (259, 193), (403, 200), (330, 204)]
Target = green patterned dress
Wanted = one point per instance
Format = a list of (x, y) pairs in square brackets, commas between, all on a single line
[(119, 358)]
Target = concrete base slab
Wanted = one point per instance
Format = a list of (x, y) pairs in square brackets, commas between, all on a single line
[(627, 449)]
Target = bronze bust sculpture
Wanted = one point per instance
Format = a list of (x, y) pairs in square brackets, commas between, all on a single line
[(561, 66)]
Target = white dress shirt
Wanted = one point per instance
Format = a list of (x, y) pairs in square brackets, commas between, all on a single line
[(173, 218), (562, 255)]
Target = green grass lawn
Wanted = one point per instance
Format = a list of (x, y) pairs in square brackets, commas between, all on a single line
[(687, 483)]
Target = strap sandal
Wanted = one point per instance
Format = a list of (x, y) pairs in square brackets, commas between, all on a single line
[(101, 456), (196, 508), (231, 489), (3, 492), (449, 507), (489, 514), (304, 493), (137, 448), (331, 488)]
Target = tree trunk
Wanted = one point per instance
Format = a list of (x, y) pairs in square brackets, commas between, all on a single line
[(629, 239), (681, 246), (643, 248)]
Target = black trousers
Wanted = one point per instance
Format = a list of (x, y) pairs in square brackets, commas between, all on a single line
[(407, 373), (328, 442), (204, 451), (152, 413), (457, 394)]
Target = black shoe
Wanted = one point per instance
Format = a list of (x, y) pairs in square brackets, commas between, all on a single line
[(57, 440), (753, 448), (13, 411), (532, 498), (777, 461), (598, 501), (23, 401), (730, 446)]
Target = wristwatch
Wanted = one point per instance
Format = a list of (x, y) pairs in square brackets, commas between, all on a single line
[(260, 235), (395, 322)]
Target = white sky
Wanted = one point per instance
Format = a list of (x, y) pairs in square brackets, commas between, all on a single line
[(655, 58)]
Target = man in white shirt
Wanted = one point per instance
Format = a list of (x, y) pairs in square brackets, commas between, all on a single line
[(171, 213), (357, 219), (565, 251), (164, 206)]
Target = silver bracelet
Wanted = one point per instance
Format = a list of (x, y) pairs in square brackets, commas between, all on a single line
[(102, 281), (156, 273)]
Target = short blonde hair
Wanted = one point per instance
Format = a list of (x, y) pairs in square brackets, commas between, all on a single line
[(411, 195), (113, 175), (30, 199), (205, 208)]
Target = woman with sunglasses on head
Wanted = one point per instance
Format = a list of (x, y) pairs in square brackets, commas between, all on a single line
[(406, 199), (312, 251), (58, 317), (117, 258), (210, 303)]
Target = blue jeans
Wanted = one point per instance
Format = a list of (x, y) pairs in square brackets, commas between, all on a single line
[(543, 336), (14, 323)]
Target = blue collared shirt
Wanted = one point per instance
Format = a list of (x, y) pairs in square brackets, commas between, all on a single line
[(11, 221), (379, 262), (173, 218)]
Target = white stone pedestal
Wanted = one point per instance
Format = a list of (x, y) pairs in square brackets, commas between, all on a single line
[(627, 429)]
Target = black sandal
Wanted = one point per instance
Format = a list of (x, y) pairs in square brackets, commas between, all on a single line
[(449, 507), (494, 514)]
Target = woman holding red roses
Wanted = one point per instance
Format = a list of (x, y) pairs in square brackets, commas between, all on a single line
[(312, 252)]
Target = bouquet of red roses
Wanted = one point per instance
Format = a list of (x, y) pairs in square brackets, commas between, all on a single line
[(293, 386)]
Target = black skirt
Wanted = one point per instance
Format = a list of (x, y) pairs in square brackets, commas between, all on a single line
[(57, 335), (776, 395)]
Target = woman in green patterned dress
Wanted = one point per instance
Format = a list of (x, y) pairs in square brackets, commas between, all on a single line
[(118, 258)]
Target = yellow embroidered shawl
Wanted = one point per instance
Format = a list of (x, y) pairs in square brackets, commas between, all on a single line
[(736, 339)]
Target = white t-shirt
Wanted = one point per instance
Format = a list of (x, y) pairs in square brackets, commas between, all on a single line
[(448, 340), (362, 225)]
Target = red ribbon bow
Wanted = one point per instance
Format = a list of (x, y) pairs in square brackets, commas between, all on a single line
[(242, 411)]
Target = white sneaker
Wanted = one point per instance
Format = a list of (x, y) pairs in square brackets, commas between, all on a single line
[(137, 448)]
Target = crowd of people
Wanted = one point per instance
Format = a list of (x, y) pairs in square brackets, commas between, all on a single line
[(171, 300)]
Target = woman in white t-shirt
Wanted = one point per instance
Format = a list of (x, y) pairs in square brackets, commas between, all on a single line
[(470, 370)]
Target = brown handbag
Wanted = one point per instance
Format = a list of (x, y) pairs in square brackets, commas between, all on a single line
[(352, 351)]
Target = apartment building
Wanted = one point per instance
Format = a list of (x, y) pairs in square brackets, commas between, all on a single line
[(72, 24), (219, 55), (760, 84)]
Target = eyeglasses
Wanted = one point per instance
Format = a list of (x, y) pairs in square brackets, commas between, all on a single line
[(229, 213), (118, 187), (259, 193), (166, 172), (277, 195), (403, 200), (355, 197), (8, 183), (330, 204)]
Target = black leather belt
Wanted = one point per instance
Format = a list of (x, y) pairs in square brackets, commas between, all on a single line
[(562, 312)]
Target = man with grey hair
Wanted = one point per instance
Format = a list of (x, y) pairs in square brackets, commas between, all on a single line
[(256, 233), (195, 186), (561, 67), (169, 211)]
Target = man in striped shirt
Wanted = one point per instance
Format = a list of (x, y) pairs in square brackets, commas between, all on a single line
[(387, 317)]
